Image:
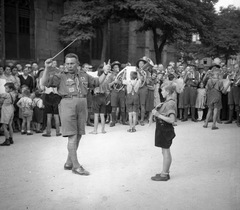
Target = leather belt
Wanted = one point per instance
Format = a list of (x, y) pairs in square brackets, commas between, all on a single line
[(74, 96)]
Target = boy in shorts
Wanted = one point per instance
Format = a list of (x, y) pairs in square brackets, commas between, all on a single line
[(132, 99)]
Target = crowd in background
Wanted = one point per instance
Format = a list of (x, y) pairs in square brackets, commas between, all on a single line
[(203, 93)]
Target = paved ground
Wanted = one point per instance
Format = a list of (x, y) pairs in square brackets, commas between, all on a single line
[(205, 172)]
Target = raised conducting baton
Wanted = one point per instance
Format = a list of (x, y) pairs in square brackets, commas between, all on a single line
[(64, 48)]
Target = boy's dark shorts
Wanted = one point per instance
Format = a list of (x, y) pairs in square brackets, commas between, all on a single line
[(99, 103), (51, 102), (132, 102)]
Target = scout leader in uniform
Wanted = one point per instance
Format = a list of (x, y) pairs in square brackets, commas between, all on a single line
[(72, 86)]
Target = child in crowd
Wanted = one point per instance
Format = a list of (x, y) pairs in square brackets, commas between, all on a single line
[(26, 105), (201, 100), (165, 115), (38, 111), (7, 112), (132, 99)]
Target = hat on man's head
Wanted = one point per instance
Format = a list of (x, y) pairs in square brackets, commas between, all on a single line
[(141, 59), (116, 63), (216, 63)]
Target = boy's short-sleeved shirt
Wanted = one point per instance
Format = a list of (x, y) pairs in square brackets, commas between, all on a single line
[(66, 84), (168, 107), (132, 85)]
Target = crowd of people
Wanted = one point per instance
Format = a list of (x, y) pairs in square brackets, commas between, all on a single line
[(202, 93)]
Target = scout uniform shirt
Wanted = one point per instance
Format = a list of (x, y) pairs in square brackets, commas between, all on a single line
[(73, 84)]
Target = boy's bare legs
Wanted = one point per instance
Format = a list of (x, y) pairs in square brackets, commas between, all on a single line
[(134, 119), (49, 123), (6, 133), (215, 115), (102, 122), (207, 118), (57, 123), (24, 124), (28, 126), (130, 114), (167, 160), (96, 118)]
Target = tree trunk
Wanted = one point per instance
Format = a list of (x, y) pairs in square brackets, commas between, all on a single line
[(155, 43), (105, 39), (158, 50)]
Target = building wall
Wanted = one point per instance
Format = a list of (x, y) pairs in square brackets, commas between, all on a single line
[(47, 17)]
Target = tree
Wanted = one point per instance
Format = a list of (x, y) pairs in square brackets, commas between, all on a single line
[(172, 20), (169, 20), (86, 16), (226, 35)]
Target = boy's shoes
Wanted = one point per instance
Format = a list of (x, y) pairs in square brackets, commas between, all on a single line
[(159, 177), (29, 133), (11, 140), (23, 132), (58, 134), (5, 143), (80, 171), (184, 120), (215, 128), (141, 123), (39, 131), (67, 167), (112, 124), (46, 135)]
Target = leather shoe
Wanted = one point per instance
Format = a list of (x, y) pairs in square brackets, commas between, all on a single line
[(80, 171), (112, 124), (158, 177), (58, 134), (67, 167), (46, 135), (5, 143)]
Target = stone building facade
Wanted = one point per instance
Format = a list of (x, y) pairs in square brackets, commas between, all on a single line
[(29, 33)]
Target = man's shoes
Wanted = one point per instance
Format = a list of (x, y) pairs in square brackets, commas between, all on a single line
[(141, 123), (80, 171), (159, 177), (5, 143), (194, 120), (23, 132), (215, 128), (124, 123), (67, 167), (58, 134), (112, 124), (184, 120), (29, 133), (46, 135), (228, 122)]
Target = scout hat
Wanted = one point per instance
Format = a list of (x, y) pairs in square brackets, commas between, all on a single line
[(141, 59), (116, 63)]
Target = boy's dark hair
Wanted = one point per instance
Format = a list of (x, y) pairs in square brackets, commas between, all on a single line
[(26, 92), (10, 85), (133, 75), (38, 94)]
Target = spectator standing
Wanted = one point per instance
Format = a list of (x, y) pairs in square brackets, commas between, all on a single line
[(7, 113)]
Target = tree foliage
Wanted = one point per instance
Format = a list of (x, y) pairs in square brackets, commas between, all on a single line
[(169, 20)]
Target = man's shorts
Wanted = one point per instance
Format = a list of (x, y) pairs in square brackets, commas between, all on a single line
[(73, 115), (99, 103)]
